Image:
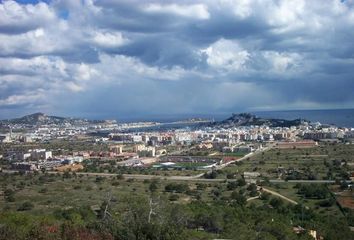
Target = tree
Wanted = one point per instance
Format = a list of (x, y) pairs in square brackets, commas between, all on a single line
[(238, 198), (232, 185), (252, 187), (211, 175), (153, 186), (276, 202), (176, 187), (9, 195), (241, 182)]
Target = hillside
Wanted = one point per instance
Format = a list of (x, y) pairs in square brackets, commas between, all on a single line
[(247, 119), (37, 119)]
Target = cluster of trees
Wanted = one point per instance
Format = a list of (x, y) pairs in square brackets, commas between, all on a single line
[(177, 187), (317, 191), (235, 184), (213, 174)]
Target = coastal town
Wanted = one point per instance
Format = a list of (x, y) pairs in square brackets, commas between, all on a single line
[(128, 144), (269, 157)]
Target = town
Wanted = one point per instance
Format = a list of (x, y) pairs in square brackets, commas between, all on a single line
[(200, 147)]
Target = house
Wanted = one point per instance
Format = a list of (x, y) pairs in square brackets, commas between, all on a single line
[(251, 177)]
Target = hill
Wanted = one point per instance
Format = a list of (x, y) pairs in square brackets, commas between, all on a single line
[(247, 119), (37, 119)]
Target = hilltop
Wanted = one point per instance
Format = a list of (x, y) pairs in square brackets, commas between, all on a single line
[(37, 119), (247, 119)]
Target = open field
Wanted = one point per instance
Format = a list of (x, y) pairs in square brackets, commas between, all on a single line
[(69, 197), (290, 190), (327, 161)]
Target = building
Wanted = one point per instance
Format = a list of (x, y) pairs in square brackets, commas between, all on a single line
[(243, 149), (5, 138), (251, 177), (23, 166), (117, 149), (33, 154), (144, 151), (40, 154)]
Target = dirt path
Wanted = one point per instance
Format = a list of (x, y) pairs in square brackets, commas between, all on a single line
[(279, 195)]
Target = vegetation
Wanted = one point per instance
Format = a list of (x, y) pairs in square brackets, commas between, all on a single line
[(115, 208), (78, 206)]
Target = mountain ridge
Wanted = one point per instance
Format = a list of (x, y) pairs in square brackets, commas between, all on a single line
[(248, 119), (40, 118)]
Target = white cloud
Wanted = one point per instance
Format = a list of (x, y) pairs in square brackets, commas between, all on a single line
[(282, 62), (84, 72), (227, 55), (287, 13), (16, 17), (109, 39), (198, 11), (128, 68), (26, 98), (42, 66), (240, 8), (74, 87)]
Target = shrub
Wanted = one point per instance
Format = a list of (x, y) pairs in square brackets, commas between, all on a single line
[(173, 197), (25, 206)]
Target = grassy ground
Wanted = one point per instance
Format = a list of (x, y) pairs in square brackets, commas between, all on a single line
[(312, 162), (50, 192), (289, 190)]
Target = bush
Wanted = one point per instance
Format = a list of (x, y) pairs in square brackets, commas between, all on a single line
[(238, 198), (313, 191), (9, 195), (99, 179), (241, 182), (173, 197), (25, 206), (252, 187), (153, 186), (43, 190), (326, 202), (230, 176), (176, 187), (211, 175), (231, 186), (264, 196), (120, 177), (115, 183), (276, 202), (201, 186)]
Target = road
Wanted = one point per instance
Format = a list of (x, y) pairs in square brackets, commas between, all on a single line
[(252, 198), (279, 195), (149, 177), (137, 176), (304, 181), (237, 160), (247, 156)]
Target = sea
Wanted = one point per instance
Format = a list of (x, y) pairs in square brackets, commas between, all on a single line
[(337, 117)]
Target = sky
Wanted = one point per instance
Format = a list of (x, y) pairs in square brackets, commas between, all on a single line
[(115, 58)]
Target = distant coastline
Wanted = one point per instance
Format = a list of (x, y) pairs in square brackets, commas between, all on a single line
[(338, 117)]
